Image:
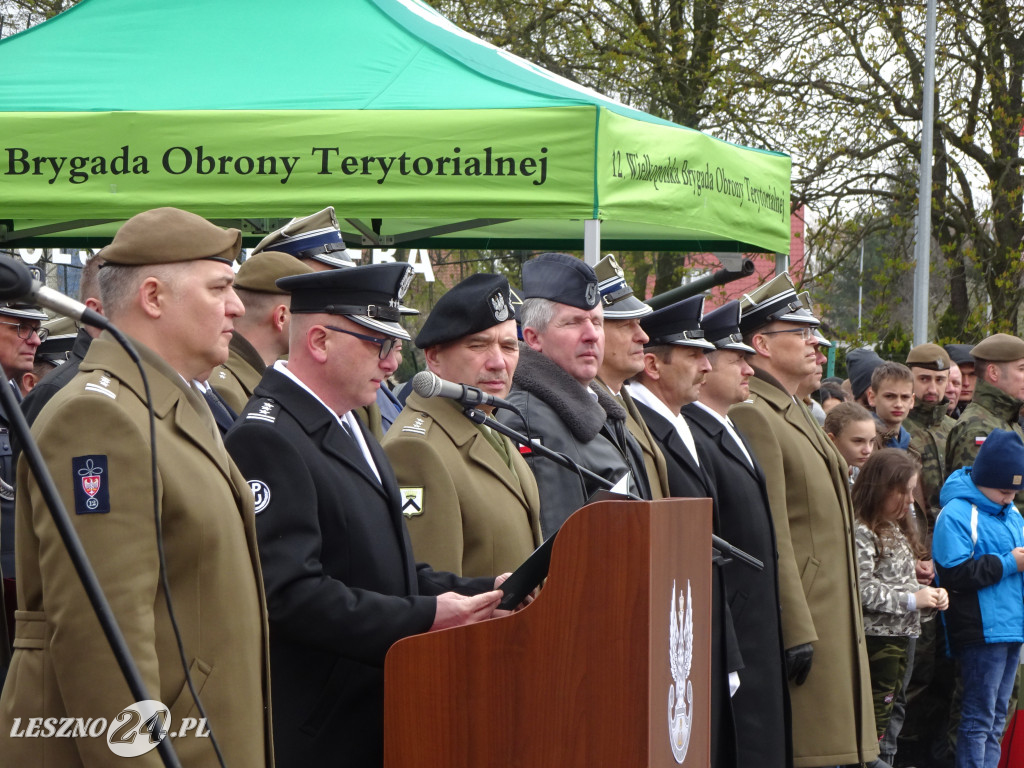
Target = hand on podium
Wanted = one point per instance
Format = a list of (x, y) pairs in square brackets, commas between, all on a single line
[(455, 610), (798, 662)]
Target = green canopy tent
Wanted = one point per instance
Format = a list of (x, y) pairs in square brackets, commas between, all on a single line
[(250, 112)]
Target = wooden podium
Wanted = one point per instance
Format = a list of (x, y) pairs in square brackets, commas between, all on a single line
[(588, 674)]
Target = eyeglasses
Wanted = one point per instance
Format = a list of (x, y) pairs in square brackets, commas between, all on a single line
[(26, 329), (806, 333), (386, 344)]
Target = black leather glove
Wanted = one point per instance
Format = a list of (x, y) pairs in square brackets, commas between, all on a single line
[(798, 662)]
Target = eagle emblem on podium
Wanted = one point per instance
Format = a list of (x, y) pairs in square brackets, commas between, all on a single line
[(680, 659)]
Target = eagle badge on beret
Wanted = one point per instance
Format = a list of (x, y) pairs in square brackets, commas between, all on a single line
[(499, 307)]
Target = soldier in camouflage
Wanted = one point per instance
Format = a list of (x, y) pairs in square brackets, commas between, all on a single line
[(998, 399), (928, 423), (932, 678)]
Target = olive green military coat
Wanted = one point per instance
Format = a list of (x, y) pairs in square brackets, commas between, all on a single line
[(654, 459), (470, 513), (62, 665), (238, 376), (808, 492)]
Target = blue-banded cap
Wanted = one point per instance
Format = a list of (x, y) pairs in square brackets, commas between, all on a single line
[(722, 327), (316, 237), (677, 324), (617, 297), (562, 278), (367, 295), (776, 300)]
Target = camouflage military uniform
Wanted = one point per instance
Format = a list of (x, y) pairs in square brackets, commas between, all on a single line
[(885, 571), (929, 427), (990, 409)]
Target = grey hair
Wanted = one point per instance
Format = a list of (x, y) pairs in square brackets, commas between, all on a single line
[(119, 283), (537, 313)]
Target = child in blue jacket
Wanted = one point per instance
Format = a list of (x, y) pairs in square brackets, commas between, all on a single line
[(978, 550)]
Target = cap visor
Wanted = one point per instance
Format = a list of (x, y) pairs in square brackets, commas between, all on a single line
[(383, 326)]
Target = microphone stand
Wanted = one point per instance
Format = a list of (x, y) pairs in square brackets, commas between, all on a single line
[(479, 417), (80, 561)]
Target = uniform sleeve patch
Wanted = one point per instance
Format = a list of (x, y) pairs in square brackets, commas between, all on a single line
[(979, 440), (412, 501), (92, 484), (260, 495)]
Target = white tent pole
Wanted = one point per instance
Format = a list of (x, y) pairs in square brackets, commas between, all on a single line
[(591, 241)]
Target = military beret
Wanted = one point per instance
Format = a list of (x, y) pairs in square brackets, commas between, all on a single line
[(562, 278), (999, 348), (22, 310), (171, 235), (367, 295), (316, 237), (860, 364), (775, 300), (261, 271), (677, 324), (960, 353), (722, 327), (616, 296), (929, 356), (479, 302)]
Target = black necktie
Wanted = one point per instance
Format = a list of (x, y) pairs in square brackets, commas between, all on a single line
[(222, 413)]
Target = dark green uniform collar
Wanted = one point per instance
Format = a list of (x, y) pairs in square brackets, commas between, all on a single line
[(997, 402)]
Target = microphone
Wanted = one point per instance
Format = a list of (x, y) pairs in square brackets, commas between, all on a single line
[(16, 282), (429, 384)]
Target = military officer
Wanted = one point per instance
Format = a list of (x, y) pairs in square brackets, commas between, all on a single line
[(960, 354), (624, 340), (167, 285), (316, 240), (929, 690), (471, 502), (20, 336), (675, 363), (996, 403), (342, 585), (563, 345), (928, 423), (261, 334), (808, 493)]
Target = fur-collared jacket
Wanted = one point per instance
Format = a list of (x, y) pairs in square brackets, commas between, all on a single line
[(585, 424)]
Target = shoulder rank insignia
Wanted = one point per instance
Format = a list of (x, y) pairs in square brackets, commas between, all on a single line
[(418, 426), (102, 386), (91, 481), (412, 501), (266, 411)]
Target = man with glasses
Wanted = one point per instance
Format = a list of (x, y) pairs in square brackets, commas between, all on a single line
[(20, 337), (809, 498), (341, 582)]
